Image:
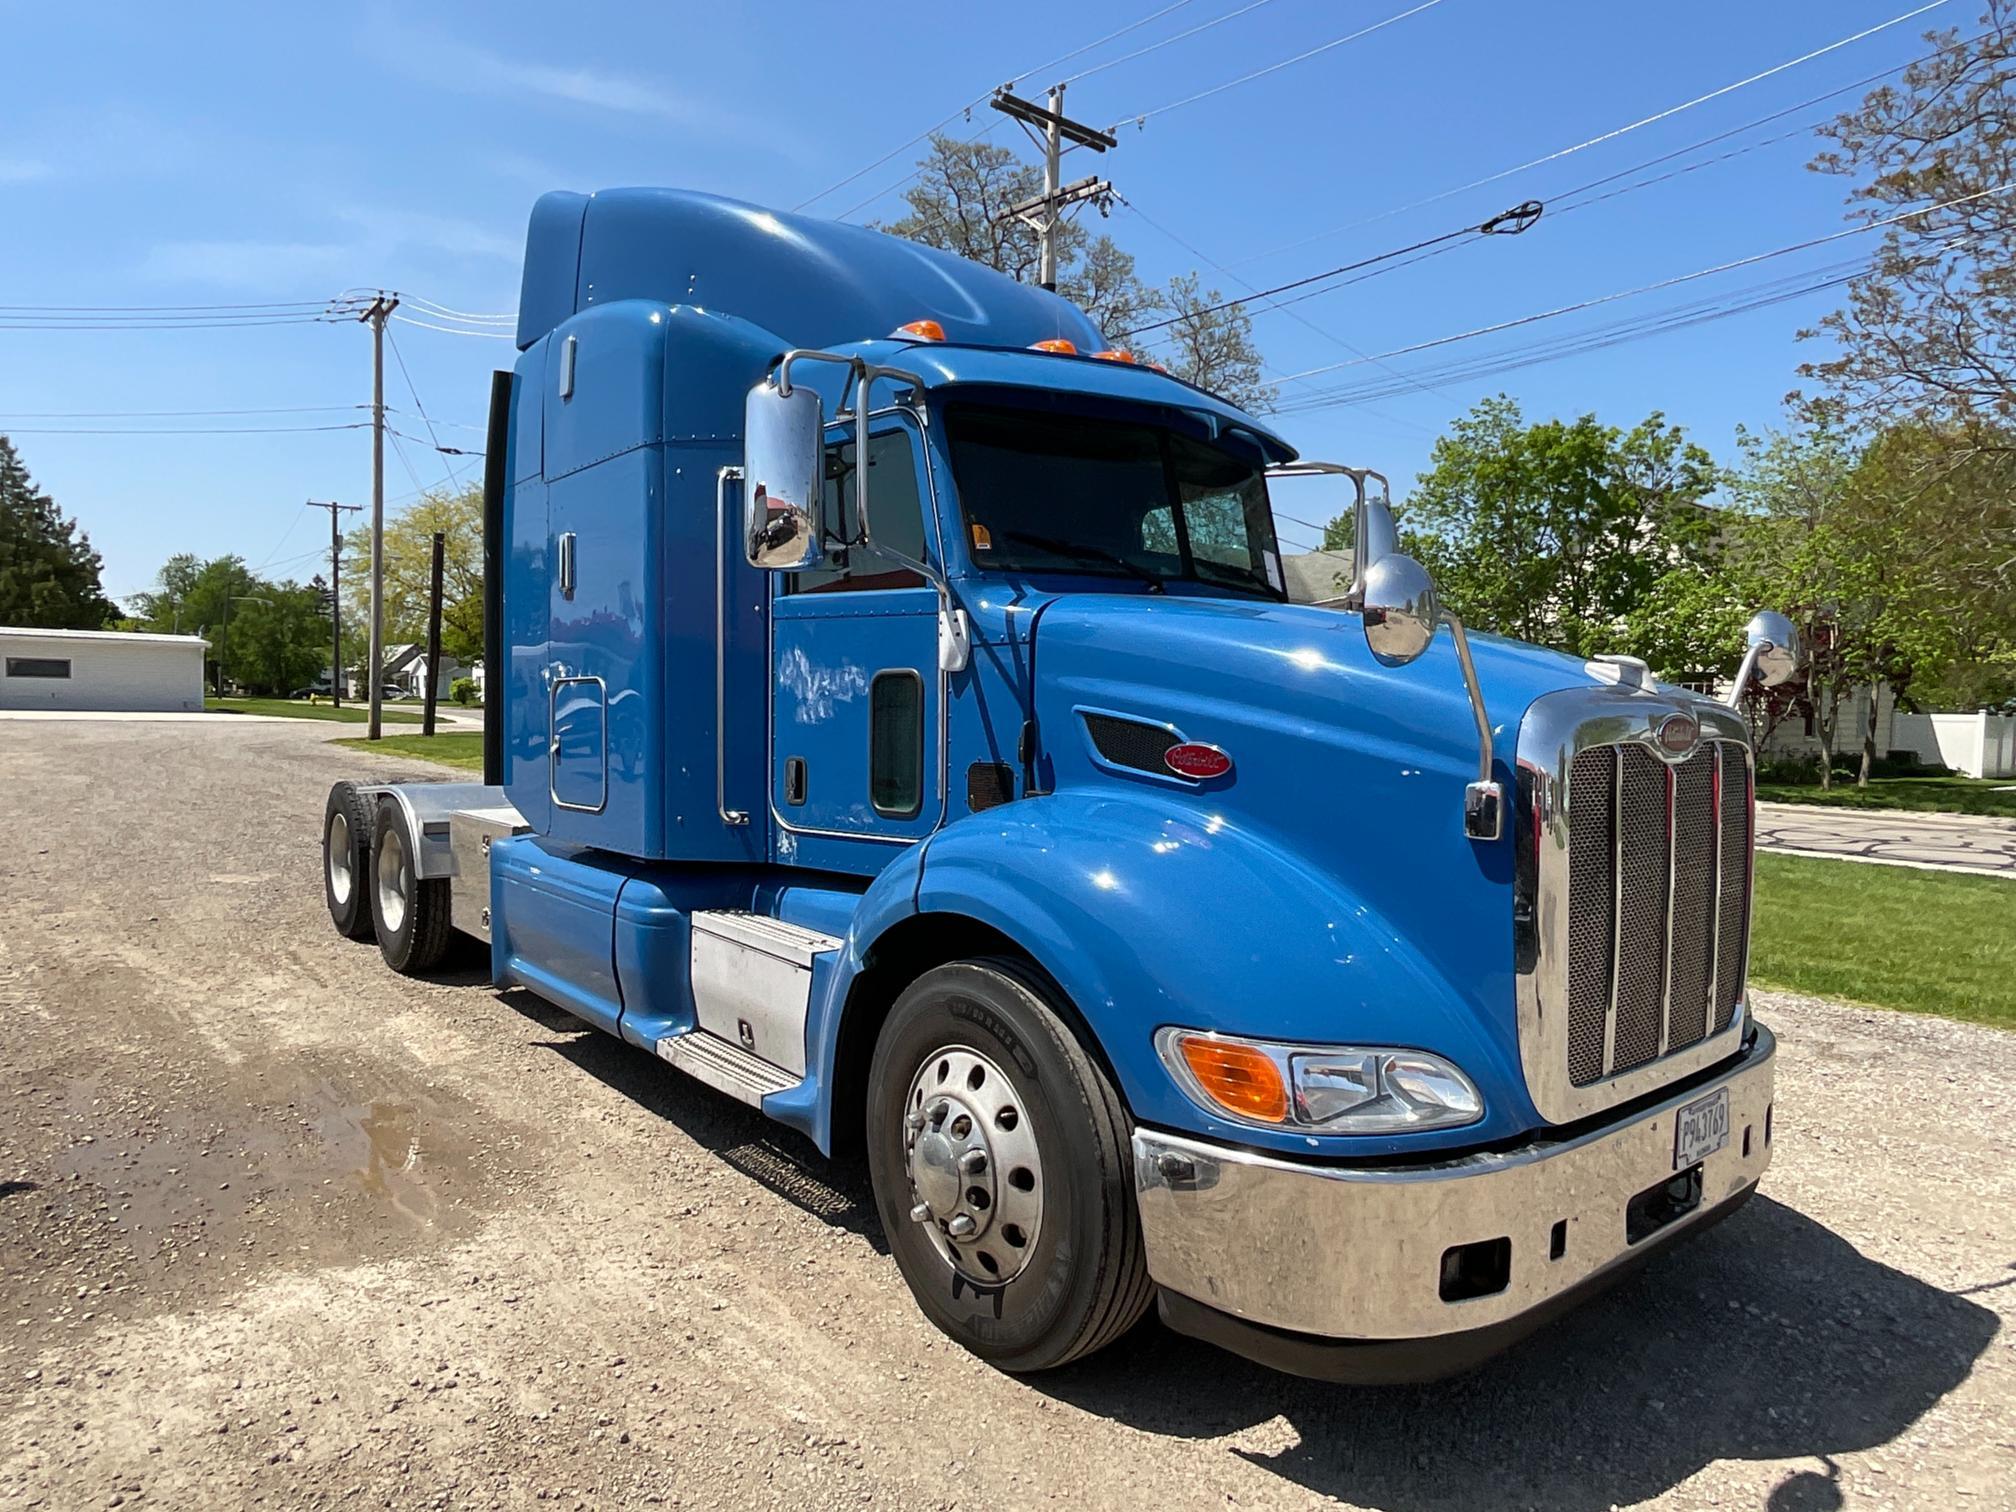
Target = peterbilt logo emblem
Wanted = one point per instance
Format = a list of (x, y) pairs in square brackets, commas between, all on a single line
[(1678, 733), (1196, 761)]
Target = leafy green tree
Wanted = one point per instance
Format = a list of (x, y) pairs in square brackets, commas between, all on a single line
[(1929, 331), (48, 570), (269, 637), (955, 205), (409, 555), (1556, 531)]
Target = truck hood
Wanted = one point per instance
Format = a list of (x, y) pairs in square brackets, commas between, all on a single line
[(1351, 771)]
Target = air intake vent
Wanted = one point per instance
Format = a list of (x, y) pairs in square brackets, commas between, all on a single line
[(1131, 742)]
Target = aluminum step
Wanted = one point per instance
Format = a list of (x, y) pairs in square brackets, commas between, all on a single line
[(788, 942), (725, 1067)]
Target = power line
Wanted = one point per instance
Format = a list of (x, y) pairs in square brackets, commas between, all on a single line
[(1607, 136), (292, 409), (452, 330), (500, 317), (162, 325), (1142, 52), (271, 304), (1301, 57), (268, 430), (1507, 223), (1666, 283), (400, 358)]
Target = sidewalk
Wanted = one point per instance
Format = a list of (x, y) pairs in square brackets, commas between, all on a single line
[(1936, 842)]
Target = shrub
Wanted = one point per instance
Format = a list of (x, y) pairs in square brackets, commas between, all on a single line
[(463, 691)]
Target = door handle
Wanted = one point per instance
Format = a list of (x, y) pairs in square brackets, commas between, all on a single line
[(567, 564)]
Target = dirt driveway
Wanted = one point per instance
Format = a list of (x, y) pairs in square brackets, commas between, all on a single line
[(280, 1229)]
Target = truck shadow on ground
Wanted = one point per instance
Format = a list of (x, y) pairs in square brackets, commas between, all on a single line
[(780, 1159), (1769, 1338)]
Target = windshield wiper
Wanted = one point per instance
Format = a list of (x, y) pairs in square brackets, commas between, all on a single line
[(1085, 552)]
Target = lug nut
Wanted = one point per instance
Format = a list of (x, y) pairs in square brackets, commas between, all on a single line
[(973, 1162), (921, 1213), (914, 1122), (960, 1226), (938, 1112)]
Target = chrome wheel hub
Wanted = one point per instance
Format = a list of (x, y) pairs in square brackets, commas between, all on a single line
[(339, 858), (976, 1181), (395, 880)]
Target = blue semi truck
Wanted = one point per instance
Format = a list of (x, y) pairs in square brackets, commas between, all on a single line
[(897, 722)]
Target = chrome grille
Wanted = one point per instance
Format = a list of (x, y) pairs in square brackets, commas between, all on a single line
[(1658, 900)]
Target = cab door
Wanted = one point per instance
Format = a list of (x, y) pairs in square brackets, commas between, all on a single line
[(857, 748)]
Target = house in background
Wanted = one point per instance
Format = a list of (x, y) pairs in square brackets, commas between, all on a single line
[(406, 674)]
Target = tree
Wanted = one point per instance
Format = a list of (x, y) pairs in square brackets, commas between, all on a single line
[(1556, 532), (409, 556), (954, 205), (281, 640), (48, 570), (1930, 330), (270, 637)]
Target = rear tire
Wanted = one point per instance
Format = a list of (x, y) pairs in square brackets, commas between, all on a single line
[(410, 912), (1001, 1158), (347, 819)]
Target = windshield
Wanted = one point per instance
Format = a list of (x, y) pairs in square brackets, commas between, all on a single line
[(1057, 493)]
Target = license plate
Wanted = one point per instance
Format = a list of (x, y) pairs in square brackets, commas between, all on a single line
[(1700, 1129)]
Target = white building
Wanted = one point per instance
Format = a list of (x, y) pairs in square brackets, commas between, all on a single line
[(100, 670)]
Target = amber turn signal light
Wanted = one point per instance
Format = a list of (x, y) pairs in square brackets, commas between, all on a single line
[(920, 330), (1060, 346), (1237, 1077)]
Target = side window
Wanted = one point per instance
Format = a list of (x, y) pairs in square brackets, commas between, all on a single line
[(894, 507), (1218, 530), (896, 742)]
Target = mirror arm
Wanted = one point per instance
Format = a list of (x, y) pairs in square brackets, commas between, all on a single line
[(1743, 675), (1484, 799), (1354, 596)]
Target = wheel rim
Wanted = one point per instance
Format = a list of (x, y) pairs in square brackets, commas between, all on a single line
[(338, 846), (976, 1178), (395, 880)]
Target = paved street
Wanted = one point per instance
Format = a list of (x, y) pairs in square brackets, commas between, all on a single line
[(280, 1229), (1952, 842)]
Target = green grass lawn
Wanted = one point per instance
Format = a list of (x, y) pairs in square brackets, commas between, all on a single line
[(300, 708), (1920, 941), (457, 748), (1951, 795)]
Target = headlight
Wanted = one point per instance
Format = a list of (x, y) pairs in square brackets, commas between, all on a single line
[(1331, 1089)]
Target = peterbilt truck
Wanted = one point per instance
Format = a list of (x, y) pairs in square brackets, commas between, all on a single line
[(896, 721)]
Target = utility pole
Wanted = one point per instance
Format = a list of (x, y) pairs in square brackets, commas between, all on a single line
[(433, 636), (1045, 213), (374, 316), (335, 595)]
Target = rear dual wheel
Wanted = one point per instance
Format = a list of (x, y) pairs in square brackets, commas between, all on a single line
[(410, 912), (347, 820), (1001, 1160)]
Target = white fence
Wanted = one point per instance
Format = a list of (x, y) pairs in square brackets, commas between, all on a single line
[(1981, 745)]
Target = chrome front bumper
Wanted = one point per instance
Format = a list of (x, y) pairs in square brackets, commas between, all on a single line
[(1358, 1253)]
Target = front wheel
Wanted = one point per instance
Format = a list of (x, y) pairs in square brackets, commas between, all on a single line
[(1001, 1161)]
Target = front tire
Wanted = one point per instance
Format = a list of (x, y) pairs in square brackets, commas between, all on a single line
[(346, 860), (1002, 1166), (410, 912)]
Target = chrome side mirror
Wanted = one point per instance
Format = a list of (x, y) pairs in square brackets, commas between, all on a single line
[(1401, 608), (1375, 537), (784, 454), (1771, 636), (1770, 653)]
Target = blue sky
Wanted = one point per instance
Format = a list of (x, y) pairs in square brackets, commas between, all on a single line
[(155, 156)]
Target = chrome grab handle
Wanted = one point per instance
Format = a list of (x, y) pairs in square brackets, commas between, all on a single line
[(733, 817)]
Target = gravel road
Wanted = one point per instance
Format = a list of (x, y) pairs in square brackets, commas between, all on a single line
[(279, 1229)]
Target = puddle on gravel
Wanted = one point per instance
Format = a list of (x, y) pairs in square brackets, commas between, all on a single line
[(381, 1142)]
